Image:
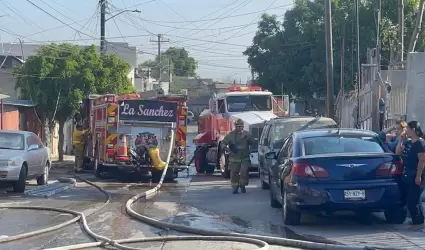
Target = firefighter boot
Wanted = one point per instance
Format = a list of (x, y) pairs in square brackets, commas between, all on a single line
[(243, 189), (235, 190)]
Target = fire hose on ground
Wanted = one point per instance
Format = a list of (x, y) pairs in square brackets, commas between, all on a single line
[(262, 242)]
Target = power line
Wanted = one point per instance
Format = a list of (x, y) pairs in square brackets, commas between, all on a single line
[(177, 12), (129, 36), (81, 32), (46, 12), (210, 14), (231, 12), (200, 29), (95, 16), (218, 18), (253, 21), (57, 19), (21, 17), (181, 37), (137, 25), (194, 47), (60, 13)]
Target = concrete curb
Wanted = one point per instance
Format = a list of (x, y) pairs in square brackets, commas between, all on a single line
[(63, 164)]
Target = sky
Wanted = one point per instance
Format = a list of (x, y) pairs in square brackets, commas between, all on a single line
[(215, 32)]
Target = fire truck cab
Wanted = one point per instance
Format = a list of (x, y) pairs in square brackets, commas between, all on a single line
[(252, 105)]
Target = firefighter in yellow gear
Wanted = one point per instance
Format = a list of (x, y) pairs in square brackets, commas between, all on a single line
[(239, 142), (79, 138)]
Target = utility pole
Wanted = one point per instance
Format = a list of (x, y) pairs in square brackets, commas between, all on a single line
[(378, 91), (378, 34), (169, 75), (329, 61), (342, 74), (358, 75), (102, 25), (159, 41), (401, 30)]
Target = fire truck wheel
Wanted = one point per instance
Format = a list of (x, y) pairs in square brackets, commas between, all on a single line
[(201, 161), (97, 169), (156, 176), (224, 167), (210, 169), (86, 163)]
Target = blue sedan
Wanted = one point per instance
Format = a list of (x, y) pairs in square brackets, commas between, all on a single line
[(334, 170)]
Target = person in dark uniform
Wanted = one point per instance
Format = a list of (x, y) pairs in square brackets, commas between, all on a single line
[(412, 183), (239, 142)]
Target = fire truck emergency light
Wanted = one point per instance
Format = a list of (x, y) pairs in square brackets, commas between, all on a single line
[(244, 89)]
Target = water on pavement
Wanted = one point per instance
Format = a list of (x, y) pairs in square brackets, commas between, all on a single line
[(204, 202)]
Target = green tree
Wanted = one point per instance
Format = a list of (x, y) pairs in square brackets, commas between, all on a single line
[(291, 53), (59, 76), (156, 66), (181, 63)]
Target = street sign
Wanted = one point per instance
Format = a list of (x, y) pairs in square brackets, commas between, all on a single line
[(147, 110)]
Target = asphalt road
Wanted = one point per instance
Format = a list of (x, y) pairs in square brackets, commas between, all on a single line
[(198, 201), (208, 203), (110, 221)]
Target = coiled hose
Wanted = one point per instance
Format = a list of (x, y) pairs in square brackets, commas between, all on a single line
[(200, 234)]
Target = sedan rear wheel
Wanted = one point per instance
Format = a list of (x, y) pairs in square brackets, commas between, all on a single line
[(289, 215), (44, 178)]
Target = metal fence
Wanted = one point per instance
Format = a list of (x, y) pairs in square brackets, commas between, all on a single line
[(368, 96)]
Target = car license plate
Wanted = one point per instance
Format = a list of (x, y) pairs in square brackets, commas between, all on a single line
[(354, 194)]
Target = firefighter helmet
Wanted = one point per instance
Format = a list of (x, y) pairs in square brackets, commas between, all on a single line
[(239, 122)]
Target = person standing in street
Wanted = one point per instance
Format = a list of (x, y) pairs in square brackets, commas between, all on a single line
[(412, 183), (392, 134), (239, 142), (79, 138)]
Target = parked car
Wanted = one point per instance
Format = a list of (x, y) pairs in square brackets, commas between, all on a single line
[(333, 170), (190, 116), (274, 134), (23, 157)]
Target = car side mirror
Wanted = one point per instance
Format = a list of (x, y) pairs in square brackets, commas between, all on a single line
[(271, 155), (32, 147)]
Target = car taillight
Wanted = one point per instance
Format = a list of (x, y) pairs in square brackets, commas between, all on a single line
[(309, 170), (390, 168), (110, 151)]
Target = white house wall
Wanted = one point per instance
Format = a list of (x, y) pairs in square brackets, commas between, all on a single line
[(416, 87), (67, 131)]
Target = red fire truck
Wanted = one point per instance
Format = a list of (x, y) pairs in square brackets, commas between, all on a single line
[(109, 144), (251, 104)]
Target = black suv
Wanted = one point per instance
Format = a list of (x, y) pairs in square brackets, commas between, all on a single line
[(274, 134)]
